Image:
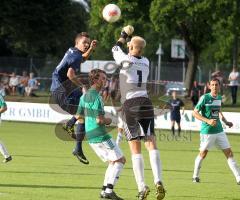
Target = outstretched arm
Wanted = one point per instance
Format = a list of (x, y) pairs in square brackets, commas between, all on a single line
[(93, 45), (118, 55)]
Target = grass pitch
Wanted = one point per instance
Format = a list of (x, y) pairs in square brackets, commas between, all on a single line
[(43, 168)]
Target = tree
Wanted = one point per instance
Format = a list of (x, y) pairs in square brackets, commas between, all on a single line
[(135, 13), (40, 28), (192, 21)]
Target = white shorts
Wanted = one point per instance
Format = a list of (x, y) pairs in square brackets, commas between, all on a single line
[(107, 150), (219, 140)]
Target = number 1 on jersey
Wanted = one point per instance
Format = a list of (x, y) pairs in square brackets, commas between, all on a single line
[(139, 73)]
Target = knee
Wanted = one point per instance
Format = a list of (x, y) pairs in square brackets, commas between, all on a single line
[(203, 154), (121, 160), (228, 153)]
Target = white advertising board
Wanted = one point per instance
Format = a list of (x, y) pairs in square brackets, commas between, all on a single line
[(36, 112)]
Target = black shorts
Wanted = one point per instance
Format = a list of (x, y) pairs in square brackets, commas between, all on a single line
[(68, 102), (138, 118)]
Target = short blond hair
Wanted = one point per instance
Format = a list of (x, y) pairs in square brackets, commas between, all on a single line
[(138, 41)]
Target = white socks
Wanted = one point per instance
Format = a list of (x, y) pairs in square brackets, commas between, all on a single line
[(112, 173), (234, 167), (197, 166), (155, 161), (3, 150), (115, 172), (119, 138), (108, 171), (138, 169)]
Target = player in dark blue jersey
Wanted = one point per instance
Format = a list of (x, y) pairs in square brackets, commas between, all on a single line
[(175, 104), (66, 88)]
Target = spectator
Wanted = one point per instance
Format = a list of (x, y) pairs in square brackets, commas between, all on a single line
[(23, 83), (13, 83), (5, 84), (195, 93), (114, 85), (32, 85), (206, 88), (105, 91), (233, 78)]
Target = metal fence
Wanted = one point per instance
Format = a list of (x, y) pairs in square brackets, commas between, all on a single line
[(169, 71)]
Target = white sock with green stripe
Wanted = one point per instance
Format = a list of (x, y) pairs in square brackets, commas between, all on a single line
[(138, 169), (3, 150), (234, 167), (197, 166)]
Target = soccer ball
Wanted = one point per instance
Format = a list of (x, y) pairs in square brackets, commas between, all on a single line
[(111, 13)]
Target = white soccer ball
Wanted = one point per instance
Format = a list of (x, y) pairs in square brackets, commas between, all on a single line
[(111, 13)]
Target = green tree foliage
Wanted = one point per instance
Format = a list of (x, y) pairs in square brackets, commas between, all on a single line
[(135, 13), (39, 28), (192, 21), (226, 33)]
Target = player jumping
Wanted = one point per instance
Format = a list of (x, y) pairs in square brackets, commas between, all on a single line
[(66, 88), (138, 113)]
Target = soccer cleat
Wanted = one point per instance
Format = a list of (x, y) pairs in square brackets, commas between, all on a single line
[(144, 193), (111, 195), (81, 157), (102, 194), (160, 191), (196, 180), (69, 130), (9, 158)]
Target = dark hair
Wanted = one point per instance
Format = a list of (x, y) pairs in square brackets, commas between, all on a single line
[(215, 79), (94, 75), (80, 35)]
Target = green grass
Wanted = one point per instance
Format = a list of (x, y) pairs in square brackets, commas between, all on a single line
[(44, 169)]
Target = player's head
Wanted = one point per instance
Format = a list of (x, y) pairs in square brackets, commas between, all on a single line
[(174, 94), (136, 46), (97, 78), (82, 41), (214, 86)]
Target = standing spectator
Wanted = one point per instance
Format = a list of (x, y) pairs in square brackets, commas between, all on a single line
[(114, 84), (195, 93), (233, 78), (32, 85), (105, 92), (13, 83), (5, 84), (23, 83), (206, 88)]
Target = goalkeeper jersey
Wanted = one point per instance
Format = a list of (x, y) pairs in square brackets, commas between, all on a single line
[(133, 74), (209, 107)]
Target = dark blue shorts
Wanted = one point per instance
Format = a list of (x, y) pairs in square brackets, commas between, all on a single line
[(68, 102), (175, 117)]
